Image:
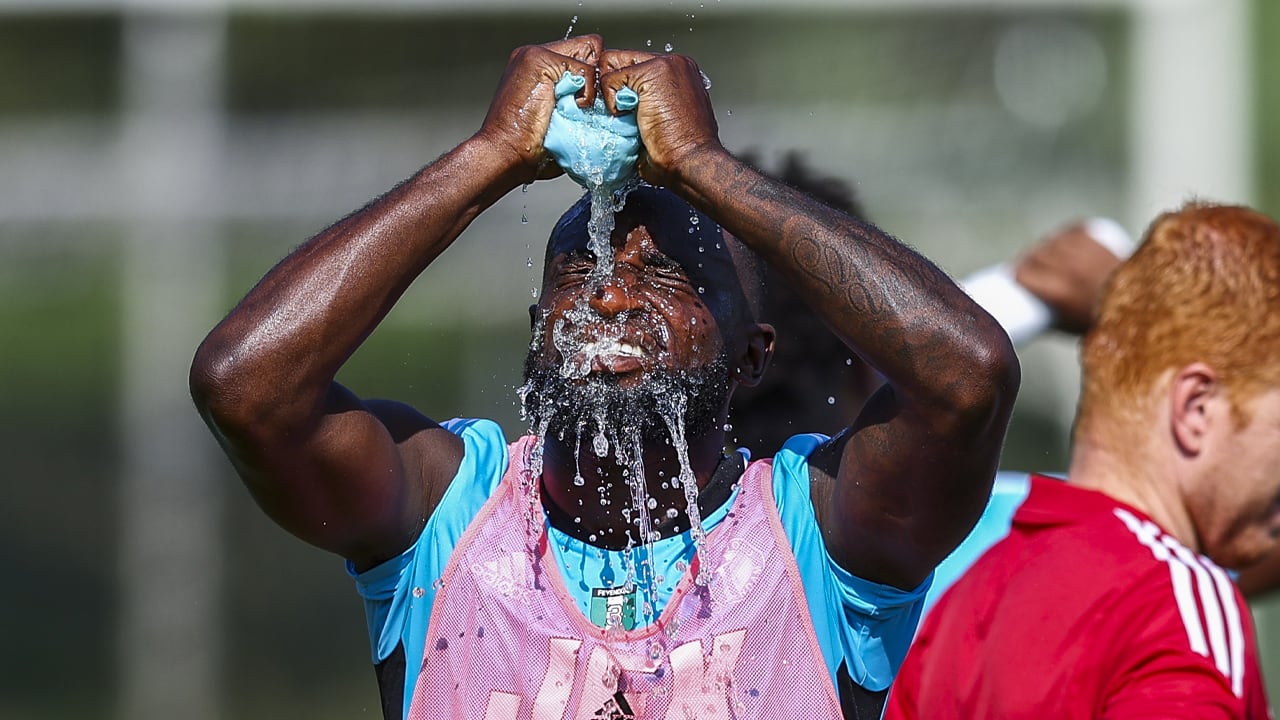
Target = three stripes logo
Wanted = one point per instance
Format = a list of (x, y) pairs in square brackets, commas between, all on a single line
[(1205, 596)]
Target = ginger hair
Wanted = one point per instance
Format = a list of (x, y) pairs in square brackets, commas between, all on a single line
[(1204, 286)]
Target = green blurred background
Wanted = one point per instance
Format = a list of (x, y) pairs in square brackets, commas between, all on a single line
[(157, 158)]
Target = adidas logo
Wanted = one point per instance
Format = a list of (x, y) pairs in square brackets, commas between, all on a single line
[(508, 574)]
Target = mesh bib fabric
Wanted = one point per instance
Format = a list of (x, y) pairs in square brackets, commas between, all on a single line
[(506, 641)]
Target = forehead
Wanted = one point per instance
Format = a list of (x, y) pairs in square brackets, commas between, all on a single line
[(655, 220)]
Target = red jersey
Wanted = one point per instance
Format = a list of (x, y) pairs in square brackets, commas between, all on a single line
[(1086, 610)]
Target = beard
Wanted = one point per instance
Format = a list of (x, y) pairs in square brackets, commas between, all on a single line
[(599, 405)]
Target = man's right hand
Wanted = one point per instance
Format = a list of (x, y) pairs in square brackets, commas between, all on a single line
[(521, 109)]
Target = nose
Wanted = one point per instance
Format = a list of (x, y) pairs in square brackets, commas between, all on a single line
[(612, 297)]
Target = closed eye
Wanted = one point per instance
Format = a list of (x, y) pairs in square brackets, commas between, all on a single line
[(575, 266), (664, 267)]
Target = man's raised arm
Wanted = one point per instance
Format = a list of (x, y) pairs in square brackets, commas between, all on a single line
[(354, 477), (915, 471)]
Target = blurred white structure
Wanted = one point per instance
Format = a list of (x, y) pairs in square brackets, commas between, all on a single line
[(176, 169)]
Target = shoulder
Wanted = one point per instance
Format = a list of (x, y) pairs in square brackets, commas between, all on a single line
[(1169, 601), (1197, 601), (485, 458)]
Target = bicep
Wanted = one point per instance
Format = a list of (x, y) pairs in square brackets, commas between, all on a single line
[(904, 491), (360, 482)]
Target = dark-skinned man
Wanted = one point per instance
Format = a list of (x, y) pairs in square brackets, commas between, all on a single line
[(558, 575)]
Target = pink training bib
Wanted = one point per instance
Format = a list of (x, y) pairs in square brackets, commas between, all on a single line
[(506, 641)]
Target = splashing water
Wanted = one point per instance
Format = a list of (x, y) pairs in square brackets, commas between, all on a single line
[(675, 424), (530, 490), (640, 503), (604, 207), (595, 415)]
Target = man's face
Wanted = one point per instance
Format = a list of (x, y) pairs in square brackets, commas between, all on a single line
[(1239, 517), (619, 348)]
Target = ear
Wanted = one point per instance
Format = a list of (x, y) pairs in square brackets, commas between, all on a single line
[(1195, 395), (755, 357)]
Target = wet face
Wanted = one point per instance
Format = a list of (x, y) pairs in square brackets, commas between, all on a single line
[(1238, 517), (616, 350)]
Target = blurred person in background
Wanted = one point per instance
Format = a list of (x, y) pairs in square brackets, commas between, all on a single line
[(1063, 274), (1107, 596), (615, 562)]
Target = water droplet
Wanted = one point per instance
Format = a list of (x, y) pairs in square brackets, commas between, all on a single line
[(701, 249), (727, 427), (579, 480), (524, 188), (653, 503), (672, 513), (669, 47), (648, 43), (438, 583), (728, 112), (701, 290), (848, 361), (419, 592), (534, 292), (831, 400), (524, 219)]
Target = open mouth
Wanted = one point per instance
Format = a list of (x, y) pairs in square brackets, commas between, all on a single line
[(607, 352), (614, 356), (613, 348)]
